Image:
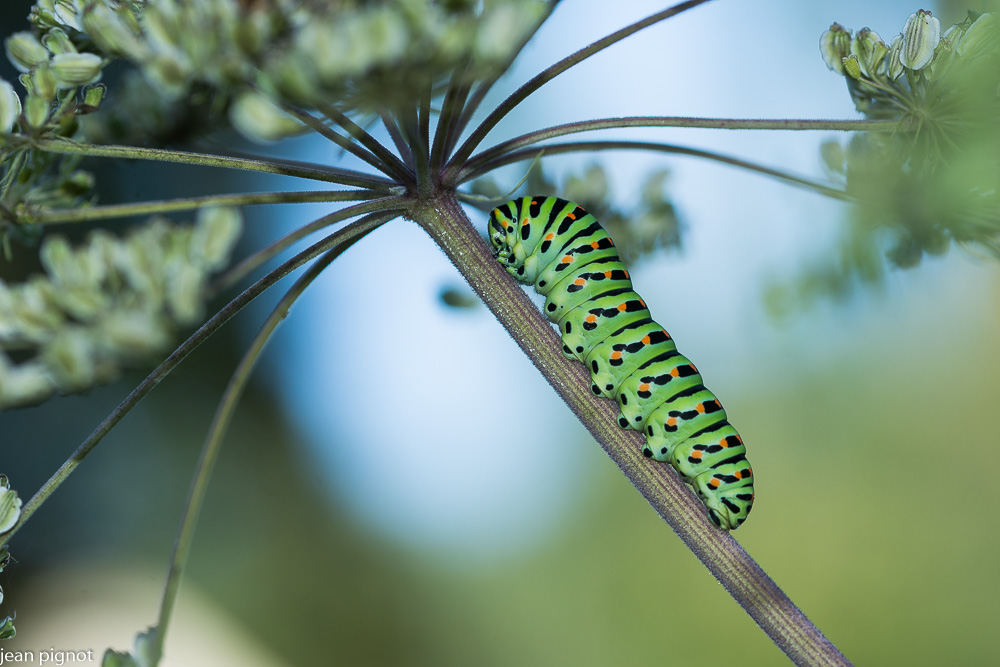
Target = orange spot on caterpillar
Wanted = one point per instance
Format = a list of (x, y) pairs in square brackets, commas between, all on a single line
[(724, 442), (673, 372), (642, 303), (672, 421), (645, 340), (714, 483), (616, 355), (571, 216), (595, 245), (579, 281), (696, 455), (622, 307), (549, 236), (567, 259), (700, 407), (591, 318), (607, 274), (644, 387)]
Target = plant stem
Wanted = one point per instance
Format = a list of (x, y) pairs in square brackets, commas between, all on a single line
[(168, 364), (223, 416), (311, 172), (770, 608), (668, 121), (590, 146), (49, 217)]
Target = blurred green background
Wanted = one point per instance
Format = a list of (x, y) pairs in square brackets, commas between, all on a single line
[(869, 423)]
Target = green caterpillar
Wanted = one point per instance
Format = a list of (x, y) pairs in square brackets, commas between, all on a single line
[(565, 253)]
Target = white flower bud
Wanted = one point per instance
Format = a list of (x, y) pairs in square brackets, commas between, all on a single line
[(921, 35), (25, 51), (870, 51), (67, 11), (70, 359), (23, 384), (184, 292), (111, 32), (835, 45), (10, 505), (256, 117), (216, 231), (895, 66), (76, 69), (10, 107)]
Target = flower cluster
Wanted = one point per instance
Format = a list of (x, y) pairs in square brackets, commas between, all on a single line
[(938, 179), (251, 57), (110, 302)]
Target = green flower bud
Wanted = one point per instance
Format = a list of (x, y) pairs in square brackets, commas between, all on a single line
[(895, 66), (42, 82), (835, 45), (981, 36), (256, 117), (94, 95), (870, 51), (921, 35), (852, 66), (76, 69), (25, 51), (10, 107), (57, 41), (36, 110)]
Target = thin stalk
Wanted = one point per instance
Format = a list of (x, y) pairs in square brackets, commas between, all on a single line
[(672, 499), (397, 138), (284, 168), (668, 121), (346, 143), (178, 355), (257, 259), (411, 131), (50, 217), (395, 165), (546, 75), (590, 146), (220, 424), (451, 109)]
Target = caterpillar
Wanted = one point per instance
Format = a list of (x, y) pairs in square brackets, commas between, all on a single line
[(564, 252)]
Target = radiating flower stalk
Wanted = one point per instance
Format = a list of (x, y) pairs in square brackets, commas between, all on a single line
[(417, 72)]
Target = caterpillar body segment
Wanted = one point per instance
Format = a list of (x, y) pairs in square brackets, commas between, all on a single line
[(561, 250)]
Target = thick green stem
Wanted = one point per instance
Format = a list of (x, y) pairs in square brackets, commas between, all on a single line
[(770, 608)]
